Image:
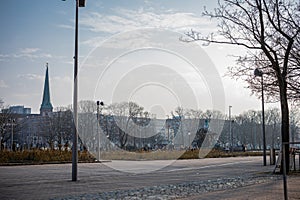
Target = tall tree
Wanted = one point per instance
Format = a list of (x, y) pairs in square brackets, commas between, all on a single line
[(87, 123), (8, 121), (295, 123), (273, 120), (126, 120), (269, 29), (47, 126)]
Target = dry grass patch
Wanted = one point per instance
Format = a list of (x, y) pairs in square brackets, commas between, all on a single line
[(41, 156), (172, 155), (56, 156)]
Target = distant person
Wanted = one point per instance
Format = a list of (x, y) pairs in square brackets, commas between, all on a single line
[(227, 149), (244, 148)]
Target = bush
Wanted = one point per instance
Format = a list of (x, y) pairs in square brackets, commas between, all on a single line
[(56, 156), (42, 156), (215, 153), (175, 154)]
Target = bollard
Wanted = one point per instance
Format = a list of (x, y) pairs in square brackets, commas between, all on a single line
[(272, 156)]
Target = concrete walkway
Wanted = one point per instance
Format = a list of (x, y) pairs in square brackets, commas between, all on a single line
[(263, 191), (50, 181)]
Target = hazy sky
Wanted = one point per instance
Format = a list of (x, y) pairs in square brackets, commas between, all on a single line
[(129, 50)]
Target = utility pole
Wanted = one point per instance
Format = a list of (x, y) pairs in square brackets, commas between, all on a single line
[(230, 131), (79, 3), (12, 133), (98, 132), (258, 72)]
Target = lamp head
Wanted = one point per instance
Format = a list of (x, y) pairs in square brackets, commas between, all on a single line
[(100, 103), (257, 72), (81, 3)]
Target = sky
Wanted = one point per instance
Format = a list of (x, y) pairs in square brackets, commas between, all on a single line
[(128, 51)]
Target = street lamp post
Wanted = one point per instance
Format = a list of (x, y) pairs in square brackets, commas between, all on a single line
[(259, 73), (168, 128), (189, 139), (230, 134), (12, 133), (98, 151), (98, 111), (79, 3)]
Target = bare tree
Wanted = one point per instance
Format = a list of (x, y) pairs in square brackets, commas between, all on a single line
[(4, 134), (8, 121), (295, 123), (64, 127), (87, 123), (126, 116), (48, 129), (1, 103), (194, 114), (272, 122), (56, 128), (269, 29), (118, 111)]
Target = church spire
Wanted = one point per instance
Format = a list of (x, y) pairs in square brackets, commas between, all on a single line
[(46, 106)]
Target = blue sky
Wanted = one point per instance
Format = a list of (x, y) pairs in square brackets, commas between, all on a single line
[(38, 31)]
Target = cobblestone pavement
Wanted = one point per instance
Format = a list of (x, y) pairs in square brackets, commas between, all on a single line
[(269, 190), (189, 190), (222, 178)]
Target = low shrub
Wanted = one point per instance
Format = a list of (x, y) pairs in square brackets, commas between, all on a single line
[(170, 155), (42, 156), (56, 156), (141, 155), (215, 153)]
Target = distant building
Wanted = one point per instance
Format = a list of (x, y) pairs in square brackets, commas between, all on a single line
[(46, 106), (47, 129), (19, 110)]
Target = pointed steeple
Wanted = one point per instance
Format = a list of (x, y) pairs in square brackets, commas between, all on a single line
[(46, 106)]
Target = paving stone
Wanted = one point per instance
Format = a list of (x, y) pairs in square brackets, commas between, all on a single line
[(174, 191)]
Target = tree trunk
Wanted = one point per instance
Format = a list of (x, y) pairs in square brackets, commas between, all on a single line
[(285, 124)]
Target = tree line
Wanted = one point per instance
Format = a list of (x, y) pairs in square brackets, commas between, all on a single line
[(129, 126)]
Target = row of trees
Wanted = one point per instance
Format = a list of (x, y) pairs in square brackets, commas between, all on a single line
[(22, 131), (9, 123), (128, 126), (119, 124), (57, 129), (247, 127)]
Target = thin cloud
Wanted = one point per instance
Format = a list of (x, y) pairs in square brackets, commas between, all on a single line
[(95, 41), (31, 77), (65, 26), (64, 79), (4, 57), (19, 95), (26, 53), (31, 53), (124, 19), (29, 50), (3, 84), (121, 20)]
